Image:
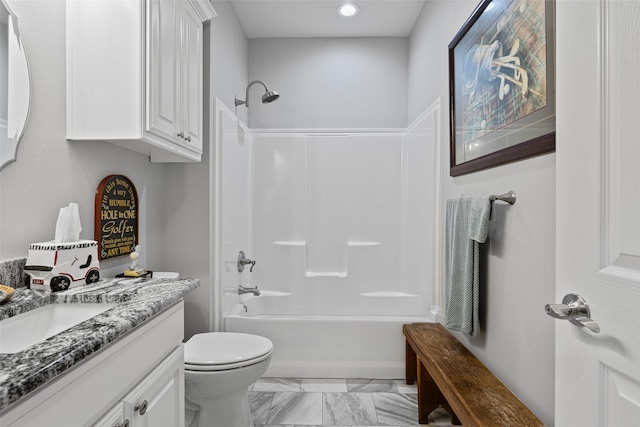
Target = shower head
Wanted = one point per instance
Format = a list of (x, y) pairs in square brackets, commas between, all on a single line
[(268, 97)]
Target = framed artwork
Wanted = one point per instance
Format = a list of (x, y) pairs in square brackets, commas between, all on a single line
[(116, 217), (502, 85)]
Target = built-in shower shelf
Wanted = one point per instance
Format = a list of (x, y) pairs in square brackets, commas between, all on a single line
[(362, 244), (290, 243), (337, 274), (351, 244), (389, 294), (325, 274)]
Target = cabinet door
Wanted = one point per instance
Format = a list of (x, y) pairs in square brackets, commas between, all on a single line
[(192, 77), (158, 401), (113, 418), (163, 68)]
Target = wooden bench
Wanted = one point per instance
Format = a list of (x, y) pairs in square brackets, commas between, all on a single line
[(450, 376)]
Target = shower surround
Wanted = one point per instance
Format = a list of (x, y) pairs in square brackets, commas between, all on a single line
[(342, 226)]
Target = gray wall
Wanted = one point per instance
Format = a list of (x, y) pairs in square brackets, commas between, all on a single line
[(330, 83), (229, 57), (517, 338), (51, 172)]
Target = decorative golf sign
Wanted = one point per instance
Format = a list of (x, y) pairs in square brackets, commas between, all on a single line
[(116, 217)]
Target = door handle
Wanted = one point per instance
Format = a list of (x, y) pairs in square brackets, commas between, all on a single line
[(574, 309)]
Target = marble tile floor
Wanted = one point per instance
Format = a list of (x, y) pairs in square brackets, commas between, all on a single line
[(286, 402)]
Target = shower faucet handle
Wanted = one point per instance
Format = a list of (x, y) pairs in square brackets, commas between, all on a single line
[(242, 261)]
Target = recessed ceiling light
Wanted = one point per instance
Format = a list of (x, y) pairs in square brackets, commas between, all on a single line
[(348, 9)]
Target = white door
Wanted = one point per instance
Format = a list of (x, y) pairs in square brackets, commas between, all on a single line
[(598, 210)]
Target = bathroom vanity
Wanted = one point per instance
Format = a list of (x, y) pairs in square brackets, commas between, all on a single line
[(122, 367)]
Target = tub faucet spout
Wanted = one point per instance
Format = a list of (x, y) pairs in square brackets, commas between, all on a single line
[(247, 290)]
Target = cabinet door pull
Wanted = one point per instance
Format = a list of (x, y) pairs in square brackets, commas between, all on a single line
[(188, 138), (181, 134), (141, 407), (124, 424)]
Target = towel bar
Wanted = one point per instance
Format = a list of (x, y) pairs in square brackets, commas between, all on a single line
[(509, 197)]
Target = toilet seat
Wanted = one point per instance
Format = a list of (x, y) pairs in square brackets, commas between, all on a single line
[(221, 351)]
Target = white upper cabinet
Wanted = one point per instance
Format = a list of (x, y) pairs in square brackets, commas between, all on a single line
[(192, 78), (163, 72), (134, 75)]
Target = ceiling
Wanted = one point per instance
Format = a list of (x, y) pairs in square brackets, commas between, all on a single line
[(319, 18)]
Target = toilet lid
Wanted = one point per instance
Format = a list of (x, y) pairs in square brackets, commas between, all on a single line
[(224, 350)]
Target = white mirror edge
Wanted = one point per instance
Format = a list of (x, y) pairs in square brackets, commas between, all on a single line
[(9, 148)]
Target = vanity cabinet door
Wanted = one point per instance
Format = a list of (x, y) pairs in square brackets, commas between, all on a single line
[(113, 418), (158, 401)]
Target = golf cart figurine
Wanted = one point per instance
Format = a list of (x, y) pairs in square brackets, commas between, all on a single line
[(58, 266), (65, 262)]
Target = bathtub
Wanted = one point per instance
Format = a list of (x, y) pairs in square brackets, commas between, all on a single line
[(363, 340)]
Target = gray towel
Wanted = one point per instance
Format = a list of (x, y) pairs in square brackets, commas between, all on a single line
[(467, 227)]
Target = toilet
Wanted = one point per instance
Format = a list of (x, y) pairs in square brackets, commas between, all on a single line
[(219, 367)]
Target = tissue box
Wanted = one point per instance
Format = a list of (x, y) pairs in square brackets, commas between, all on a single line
[(54, 266)]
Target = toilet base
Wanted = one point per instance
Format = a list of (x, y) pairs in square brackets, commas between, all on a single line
[(191, 413), (232, 410), (222, 396)]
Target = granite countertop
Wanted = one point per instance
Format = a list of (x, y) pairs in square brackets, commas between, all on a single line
[(138, 301)]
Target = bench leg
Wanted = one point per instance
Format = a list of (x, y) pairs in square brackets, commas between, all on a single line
[(430, 397), (411, 368), (454, 419)]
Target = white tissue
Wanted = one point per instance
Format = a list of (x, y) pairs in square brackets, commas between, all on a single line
[(68, 226)]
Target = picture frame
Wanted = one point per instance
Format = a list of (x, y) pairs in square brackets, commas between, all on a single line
[(116, 217), (502, 85)]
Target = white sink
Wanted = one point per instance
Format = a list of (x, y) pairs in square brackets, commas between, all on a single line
[(24, 330)]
